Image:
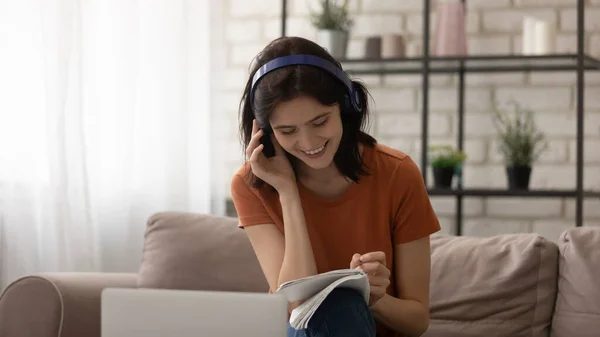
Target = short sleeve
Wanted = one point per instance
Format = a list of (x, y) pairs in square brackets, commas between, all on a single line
[(415, 217), (248, 205)]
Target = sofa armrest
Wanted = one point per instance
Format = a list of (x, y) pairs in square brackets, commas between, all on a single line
[(57, 304)]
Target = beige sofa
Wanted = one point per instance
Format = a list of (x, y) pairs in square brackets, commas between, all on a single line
[(508, 285)]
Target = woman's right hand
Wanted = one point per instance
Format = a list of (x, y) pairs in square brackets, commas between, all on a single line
[(275, 171)]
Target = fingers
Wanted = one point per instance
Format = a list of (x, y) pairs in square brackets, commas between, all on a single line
[(377, 291), (375, 268), (355, 261), (254, 155), (378, 281), (374, 257), (255, 140)]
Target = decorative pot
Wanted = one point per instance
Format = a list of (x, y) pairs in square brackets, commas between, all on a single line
[(442, 176), (335, 41), (393, 46), (373, 48), (518, 177)]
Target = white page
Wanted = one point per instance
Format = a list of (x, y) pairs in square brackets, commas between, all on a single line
[(307, 287)]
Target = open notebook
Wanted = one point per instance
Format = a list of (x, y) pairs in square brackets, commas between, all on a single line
[(314, 289)]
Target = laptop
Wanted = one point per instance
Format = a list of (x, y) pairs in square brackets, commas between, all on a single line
[(129, 312)]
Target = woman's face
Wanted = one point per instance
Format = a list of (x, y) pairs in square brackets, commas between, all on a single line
[(308, 130)]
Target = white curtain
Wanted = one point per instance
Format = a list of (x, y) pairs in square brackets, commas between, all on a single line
[(104, 120)]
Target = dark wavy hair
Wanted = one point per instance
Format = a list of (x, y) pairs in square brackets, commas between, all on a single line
[(287, 83)]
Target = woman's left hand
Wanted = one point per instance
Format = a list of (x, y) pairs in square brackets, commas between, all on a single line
[(374, 265)]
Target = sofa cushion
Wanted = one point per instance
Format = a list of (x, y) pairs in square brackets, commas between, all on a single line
[(494, 286), (578, 299), (198, 252)]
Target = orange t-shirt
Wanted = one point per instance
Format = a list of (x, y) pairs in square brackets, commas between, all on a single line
[(387, 207)]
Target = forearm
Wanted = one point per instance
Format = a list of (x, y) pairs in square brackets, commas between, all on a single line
[(298, 259), (405, 316)]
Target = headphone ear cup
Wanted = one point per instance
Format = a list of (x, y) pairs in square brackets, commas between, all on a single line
[(347, 106), (347, 103), (357, 102)]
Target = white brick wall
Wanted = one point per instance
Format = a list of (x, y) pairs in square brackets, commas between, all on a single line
[(594, 45), (493, 27), (446, 99), (376, 24), (487, 4), (391, 5), (414, 23), (243, 8), (568, 20), (512, 20), (513, 207), (538, 98), (390, 124), (393, 100), (544, 3), (243, 31), (303, 7), (488, 44)]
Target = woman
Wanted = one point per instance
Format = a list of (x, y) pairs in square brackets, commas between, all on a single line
[(317, 193)]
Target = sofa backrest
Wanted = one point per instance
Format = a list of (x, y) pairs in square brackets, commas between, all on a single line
[(503, 285), (198, 252), (578, 301)]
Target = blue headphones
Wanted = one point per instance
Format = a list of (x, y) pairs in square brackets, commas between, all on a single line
[(302, 59)]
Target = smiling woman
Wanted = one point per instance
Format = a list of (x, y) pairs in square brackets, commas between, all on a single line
[(318, 193)]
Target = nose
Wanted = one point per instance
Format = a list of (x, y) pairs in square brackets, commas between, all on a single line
[(307, 140)]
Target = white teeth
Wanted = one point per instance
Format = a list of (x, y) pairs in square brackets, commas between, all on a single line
[(315, 151)]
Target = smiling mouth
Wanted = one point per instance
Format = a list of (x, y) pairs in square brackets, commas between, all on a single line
[(317, 150)]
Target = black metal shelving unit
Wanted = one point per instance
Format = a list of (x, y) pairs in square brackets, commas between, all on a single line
[(426, 65)]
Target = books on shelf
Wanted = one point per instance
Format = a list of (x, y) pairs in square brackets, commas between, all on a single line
[(314, 289)]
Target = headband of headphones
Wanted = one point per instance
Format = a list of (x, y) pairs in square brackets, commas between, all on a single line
[(311, 60)]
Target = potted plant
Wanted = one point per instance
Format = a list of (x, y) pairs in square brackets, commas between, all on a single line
[(333, 25), (519, 142), (444, 162)]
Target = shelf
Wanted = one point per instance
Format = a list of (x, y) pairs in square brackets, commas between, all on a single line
[(474, 64), (553, 193)]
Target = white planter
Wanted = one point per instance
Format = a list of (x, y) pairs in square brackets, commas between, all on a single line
[(335, 41)]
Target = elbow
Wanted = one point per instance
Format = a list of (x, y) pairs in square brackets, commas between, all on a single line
[(425, 325), (422, 324)]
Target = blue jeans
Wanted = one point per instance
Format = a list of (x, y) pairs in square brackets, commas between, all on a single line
[(343, 313)]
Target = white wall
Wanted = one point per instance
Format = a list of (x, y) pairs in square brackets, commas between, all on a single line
[(493, 27)]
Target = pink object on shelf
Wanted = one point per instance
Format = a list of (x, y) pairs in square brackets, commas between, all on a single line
[(450, 37)]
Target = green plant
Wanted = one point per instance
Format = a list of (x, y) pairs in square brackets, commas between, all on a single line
[(519, 140), (445, 156), (331, 16)]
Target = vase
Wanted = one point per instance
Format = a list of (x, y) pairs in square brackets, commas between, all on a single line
[(518, 177), (450, 32), (442, 177), (334, 41)]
